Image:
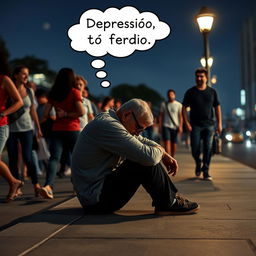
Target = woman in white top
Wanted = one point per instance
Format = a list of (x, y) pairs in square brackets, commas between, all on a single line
[(21, 130)]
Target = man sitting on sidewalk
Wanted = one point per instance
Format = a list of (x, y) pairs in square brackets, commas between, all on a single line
[(111, 160)]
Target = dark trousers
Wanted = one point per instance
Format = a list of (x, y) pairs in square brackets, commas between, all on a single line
[(26, 141), (121, 185), (206, 135)]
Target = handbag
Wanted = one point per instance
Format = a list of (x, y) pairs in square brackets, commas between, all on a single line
[(18, 113), (43, 151), (216, 144)]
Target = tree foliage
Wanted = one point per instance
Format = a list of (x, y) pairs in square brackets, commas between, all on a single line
[(4, 55), (125, 92), (35, 66)]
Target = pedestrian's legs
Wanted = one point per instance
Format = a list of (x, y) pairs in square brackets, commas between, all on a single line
[(26, 141), (36, 162), (59, 139), (195, 138), (174, 139), (56, 147), (167, 146), (120, 186), (167, 139), (12, 148), (64, 160), (207, 136)]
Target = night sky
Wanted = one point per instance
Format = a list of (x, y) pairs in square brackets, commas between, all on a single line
[(40, 28)]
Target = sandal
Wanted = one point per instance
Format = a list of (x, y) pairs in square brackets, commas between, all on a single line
[(15, 192)]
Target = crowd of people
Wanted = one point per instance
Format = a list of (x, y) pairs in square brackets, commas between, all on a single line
[(101, 143)]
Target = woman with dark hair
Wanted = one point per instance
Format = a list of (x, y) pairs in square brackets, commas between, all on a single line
[(67, 102), (108, 103), (8, 90), (22, 129)]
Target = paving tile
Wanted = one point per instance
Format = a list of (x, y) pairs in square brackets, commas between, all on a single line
[(144, 247)]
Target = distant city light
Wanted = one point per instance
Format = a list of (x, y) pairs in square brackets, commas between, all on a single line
[(39, 79), (243, 97), (239, 112), (214, 79), (39, 76), (248, 144), (229, 144), (229, 137), (248, 133)]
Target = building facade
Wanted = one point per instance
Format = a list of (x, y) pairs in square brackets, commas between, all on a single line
[(248, 69)]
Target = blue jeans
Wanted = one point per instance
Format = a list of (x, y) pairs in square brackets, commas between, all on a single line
[(26, 141), (4, 134), (59, 140), (204, 134)]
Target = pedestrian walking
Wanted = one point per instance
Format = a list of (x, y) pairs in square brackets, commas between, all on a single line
[(22, 129), (171, 122), (67, 102), (202, 100), (8, 90), (81, 85), (107, 103)]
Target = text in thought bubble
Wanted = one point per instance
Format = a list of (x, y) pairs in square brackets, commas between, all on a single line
[(118, 32)]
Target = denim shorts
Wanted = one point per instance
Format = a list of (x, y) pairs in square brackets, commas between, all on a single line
[(170, 134), (4, 134)]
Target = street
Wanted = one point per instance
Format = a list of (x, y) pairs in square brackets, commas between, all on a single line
[(242, 152)]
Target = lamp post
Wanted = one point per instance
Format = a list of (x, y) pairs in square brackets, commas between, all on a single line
[(205, 20), (203, 62)]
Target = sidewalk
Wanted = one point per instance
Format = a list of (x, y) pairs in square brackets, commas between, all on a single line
[(225, 224)]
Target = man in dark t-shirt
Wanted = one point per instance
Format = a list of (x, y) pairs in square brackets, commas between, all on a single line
[(202, 100)]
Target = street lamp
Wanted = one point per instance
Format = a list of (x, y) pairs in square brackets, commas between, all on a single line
[(205, 20), (203, 62)]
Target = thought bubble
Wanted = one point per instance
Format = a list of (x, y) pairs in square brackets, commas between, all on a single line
[(105, 84), (98, 63), (101, 74), (118, 32)]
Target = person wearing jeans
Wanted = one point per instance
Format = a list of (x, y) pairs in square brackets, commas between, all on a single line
[(21, 130), (206, 135), (111, 160), (67, 102), (201, 100), (59, 141), (8, 90)]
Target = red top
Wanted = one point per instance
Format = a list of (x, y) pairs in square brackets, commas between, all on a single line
[(3, 99), (68, 105)]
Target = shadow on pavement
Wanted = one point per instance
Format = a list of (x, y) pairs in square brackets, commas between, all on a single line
[(196, 185), (64, 216)]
